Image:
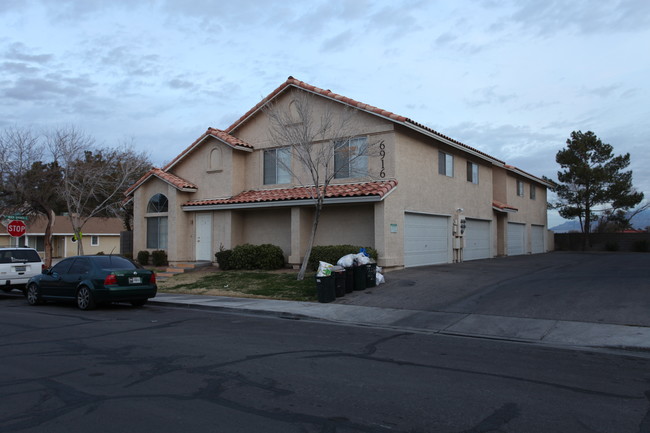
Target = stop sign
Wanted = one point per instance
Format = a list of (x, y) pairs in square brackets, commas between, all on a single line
[(16, 228)]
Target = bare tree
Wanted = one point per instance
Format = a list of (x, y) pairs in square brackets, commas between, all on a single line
[(318, 142), (93, 178), (27, 183)]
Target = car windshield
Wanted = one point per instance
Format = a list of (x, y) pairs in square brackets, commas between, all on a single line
[(113, 262), (13, 256)]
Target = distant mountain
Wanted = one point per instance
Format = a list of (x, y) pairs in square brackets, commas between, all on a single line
[(640, 221)]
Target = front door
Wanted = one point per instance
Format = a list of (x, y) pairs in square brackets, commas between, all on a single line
[(204, 236)]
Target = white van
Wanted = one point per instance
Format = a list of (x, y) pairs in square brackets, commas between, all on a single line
[(17, 265)]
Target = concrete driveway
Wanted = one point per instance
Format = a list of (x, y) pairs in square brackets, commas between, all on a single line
[(611, 288)]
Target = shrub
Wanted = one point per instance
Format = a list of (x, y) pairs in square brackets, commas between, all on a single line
[(159, 258), (128, 255), (223, 259), (332, 254), (101, 253), (642, 246), (249, 256), (143, 257), (611, 246)]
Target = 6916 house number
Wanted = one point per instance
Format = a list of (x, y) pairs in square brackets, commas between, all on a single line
[(382, 153)]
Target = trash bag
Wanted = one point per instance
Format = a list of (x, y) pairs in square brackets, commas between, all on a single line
[(361, 259), (347, 261), (324, 269), (379, 278)]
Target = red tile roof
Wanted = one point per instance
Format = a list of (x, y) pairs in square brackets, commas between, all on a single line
[(351, 102), (379, 189), (503, 206), (170, 178), (225, 137)]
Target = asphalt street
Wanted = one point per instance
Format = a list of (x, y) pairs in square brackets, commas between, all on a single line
[(162, 369)]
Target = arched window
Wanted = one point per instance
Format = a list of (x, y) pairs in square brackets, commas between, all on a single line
[(157, 225), (157, 204), (215, 160)]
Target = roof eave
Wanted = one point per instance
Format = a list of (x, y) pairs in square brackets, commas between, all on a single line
[(284, 203)]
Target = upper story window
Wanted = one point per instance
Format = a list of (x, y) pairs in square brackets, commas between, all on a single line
[(277, 166), (351, 158), (533, 192), (445, 164), (157, 204), (215, 161), (472, 172), (520, 188)]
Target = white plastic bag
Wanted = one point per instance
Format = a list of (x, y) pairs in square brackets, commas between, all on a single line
[(324, 269), (347, 261), (379, 278), (362, 259)]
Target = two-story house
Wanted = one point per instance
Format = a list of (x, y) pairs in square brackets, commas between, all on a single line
[(411, 201)]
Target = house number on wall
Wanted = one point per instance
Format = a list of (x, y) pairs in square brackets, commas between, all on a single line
[(382, 153)]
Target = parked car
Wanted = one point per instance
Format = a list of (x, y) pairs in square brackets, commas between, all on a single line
[(17, 266), (92, 280)]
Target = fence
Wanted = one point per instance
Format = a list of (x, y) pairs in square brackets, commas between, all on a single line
[(636, 242)]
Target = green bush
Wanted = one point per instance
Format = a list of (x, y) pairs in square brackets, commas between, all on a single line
[(101, 253), (143, 257), (332, 253), (223, 259), (249, 256), (159, 258), (128, 255), (611, 246), (642, 246)]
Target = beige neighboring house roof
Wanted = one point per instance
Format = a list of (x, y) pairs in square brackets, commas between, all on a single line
[(62, 226)]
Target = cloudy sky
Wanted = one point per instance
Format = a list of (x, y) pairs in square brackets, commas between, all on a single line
[(511, 78)]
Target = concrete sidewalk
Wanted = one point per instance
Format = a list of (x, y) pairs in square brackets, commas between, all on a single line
[(545, 331)]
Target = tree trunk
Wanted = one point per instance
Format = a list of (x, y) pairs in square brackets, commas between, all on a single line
[(48, 238), (314, 226)]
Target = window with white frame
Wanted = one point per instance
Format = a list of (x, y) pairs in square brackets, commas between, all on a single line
[(533, 192), (472, 172), (445, 164), (157, 229), (94, 241), (520, 188), (351, 158), (277, 166)]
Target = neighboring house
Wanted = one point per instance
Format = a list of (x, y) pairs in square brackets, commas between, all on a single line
[(98, 235), (227, 189)]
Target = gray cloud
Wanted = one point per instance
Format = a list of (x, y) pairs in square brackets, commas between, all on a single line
[(18, 51), (489, 96)]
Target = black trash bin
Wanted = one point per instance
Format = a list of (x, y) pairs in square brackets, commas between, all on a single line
[(339, 282), (349, 280), (325, 289), (360, 275), (371, 276)]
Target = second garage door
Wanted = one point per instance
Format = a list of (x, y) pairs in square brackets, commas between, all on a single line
[(477, 240), (516, 239), (426, 239), (537, 239)]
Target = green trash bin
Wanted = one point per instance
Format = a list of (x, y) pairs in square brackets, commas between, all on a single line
[(325, 289), (349, 280), (360, 275)]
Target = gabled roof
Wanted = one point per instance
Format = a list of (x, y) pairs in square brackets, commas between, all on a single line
[(405, 121), (173, 180), (220, 135), (520, 172), (366, 191)]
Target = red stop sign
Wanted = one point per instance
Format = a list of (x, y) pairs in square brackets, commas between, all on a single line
[(16, 228)]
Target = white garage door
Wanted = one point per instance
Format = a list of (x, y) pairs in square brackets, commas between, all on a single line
[(537, 239), (516, 238), (477, 240), (426, 239)]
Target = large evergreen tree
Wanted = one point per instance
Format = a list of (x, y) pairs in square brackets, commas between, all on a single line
[(592, 179)]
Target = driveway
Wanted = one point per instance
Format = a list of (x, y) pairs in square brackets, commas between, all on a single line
[(609, 288)]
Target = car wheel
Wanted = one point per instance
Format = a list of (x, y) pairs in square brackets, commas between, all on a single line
[(33, 295), (85, 299), (139, 302)]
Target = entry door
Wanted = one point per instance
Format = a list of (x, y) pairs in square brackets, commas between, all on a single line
[(204, 236)]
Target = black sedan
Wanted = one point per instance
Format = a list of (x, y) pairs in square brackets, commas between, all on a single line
[(92, 280)]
